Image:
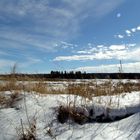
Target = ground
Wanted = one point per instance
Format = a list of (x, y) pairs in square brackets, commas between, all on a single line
[(40, 110)]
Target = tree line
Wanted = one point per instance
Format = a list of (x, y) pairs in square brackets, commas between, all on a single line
[(75, 75)]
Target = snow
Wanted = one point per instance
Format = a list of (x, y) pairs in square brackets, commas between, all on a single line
[(122, 130), (43, 108)]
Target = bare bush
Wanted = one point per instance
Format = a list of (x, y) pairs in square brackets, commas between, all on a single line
[(28, 133), (66, 113)]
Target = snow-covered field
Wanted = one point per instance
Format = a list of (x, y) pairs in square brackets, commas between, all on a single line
[(42, 110)]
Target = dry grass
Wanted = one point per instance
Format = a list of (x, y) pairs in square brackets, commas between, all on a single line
[(109, 88), (3, 100), (84, 89), (9, 100), (87, 90)]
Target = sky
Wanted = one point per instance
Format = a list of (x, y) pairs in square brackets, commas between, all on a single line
[(80, 35)]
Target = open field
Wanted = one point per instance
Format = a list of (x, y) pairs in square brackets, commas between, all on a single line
[(69, 70), (70, 109)]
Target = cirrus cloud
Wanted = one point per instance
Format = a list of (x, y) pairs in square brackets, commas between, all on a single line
[(44, 23)]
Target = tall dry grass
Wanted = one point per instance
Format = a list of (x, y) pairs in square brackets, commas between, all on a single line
[(87, 89)]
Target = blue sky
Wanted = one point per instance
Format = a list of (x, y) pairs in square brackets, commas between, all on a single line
[(87, 35)]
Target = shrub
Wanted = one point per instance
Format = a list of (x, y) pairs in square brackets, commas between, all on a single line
[(71, 113), (63, 114), (27, 133)]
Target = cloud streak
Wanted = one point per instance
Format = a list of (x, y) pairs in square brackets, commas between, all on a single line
[(42, 23)]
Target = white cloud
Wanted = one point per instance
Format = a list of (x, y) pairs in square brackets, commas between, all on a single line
[(112, 52), (74, 57), (133, 29), (128, 32), (134, 54), (127, 67), (65, 45), (117, 47), (138, 28), (120, 36), (100, 46), (83, 52), (88, 51), (131, 45), (118, 15)]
